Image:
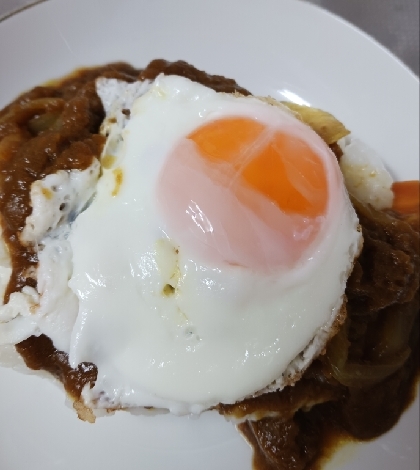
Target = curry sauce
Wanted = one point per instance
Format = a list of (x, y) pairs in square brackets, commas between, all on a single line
[(356, 390)]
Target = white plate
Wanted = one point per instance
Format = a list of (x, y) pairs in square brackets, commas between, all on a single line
[(282, 48)]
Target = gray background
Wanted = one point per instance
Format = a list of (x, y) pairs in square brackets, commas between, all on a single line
[(394, 23)]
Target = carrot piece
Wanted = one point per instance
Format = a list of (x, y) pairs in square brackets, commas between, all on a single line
[(406, 197)]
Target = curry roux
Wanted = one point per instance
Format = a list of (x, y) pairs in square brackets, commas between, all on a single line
[(56, 126)]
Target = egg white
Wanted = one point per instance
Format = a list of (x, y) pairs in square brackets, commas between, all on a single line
[(224, 332)]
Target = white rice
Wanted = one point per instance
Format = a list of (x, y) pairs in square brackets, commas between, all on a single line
[(365, 175)]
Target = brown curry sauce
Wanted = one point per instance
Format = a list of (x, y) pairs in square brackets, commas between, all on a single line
[(57, 127)]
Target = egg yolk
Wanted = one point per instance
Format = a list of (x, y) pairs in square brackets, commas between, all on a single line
[(278, 165), (241, 192)]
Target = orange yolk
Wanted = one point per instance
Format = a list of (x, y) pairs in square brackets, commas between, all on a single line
[(240, 192), (278, 165)]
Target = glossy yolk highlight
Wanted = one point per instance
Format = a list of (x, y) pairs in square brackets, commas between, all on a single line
[(278, 165)]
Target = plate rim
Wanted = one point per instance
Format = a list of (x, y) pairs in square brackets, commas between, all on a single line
[(347, 23), (314, 7)]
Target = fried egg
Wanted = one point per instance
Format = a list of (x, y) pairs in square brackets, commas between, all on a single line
[(213, 259), (204, 258)]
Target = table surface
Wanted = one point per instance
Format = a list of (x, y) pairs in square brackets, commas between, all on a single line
[(394, 23)]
